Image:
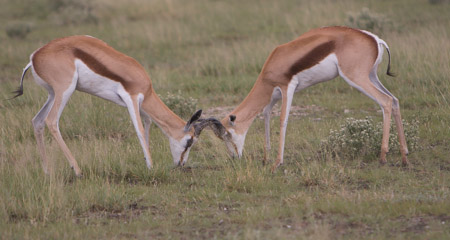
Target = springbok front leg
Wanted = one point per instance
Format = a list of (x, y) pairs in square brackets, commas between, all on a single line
[(276, 96), (287, 96), (147, 121), (133, 104)]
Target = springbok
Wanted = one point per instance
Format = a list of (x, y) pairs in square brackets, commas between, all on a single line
[(317, 56), (89, 65)]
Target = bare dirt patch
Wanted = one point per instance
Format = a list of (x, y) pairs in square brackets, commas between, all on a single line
[(131, 212)]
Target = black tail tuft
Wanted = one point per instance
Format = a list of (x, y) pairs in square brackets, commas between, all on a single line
[(388, 72), (18, 92)]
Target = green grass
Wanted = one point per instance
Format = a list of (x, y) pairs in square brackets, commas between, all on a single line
[(213, 51)]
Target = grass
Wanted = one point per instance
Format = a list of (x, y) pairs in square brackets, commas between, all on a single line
[(213, 51)]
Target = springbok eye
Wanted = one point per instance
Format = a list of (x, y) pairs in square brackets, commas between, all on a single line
[(189, 142)]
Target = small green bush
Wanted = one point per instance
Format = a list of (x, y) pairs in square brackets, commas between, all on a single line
[(361, 137), (68, 12), (370, 21), (18, 29), (438, 1), (183, 107)]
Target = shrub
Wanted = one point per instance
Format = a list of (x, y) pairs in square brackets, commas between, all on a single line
[(18, 29), (438, 1), (73, 12), (367, 20), (183, 107), (360, 137)]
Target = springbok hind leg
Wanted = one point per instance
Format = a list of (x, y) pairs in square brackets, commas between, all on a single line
[(400, 131), (397, 117), (39, 127), (61, 98), (383, 99)]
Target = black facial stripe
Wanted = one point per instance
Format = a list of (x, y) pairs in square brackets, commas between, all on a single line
[(189, 143), (235, 148)]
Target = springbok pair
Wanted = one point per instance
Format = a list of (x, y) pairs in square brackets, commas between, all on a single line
[(89, 65)]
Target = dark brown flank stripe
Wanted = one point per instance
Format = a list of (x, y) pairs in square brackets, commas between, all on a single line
[(97, 66), (310, 59)]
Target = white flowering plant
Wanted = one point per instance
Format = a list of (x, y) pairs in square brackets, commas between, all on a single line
[(362, 137), (182, 106), (370, 21)]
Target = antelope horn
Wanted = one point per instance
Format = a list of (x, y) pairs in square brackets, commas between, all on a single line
[(218, 128), (199, 125), (213, 123)]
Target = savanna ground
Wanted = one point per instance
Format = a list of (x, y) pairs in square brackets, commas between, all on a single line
[(213, 51)]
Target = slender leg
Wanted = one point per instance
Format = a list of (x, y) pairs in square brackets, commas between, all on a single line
[(61, 98), (287, 96), (39, 127), (384, 100), (397, 117), (147, 124), (133, 107), (400, 131), (267, 111), (386, 105)]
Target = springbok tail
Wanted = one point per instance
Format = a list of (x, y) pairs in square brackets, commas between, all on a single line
[(388, 72), (19, 91)]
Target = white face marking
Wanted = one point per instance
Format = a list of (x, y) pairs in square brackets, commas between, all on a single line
[(97, 85), (237, 144), (325, 70), (178, 147)]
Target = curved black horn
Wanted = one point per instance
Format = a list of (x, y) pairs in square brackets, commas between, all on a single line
[(199, 125), (213, 123), (218, 128), (193, 119)]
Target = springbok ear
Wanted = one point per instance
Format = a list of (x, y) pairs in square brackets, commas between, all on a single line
[(194, 118), (232, 119)]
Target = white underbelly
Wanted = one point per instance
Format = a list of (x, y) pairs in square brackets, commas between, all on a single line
[(95, 84), (325, 70)]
